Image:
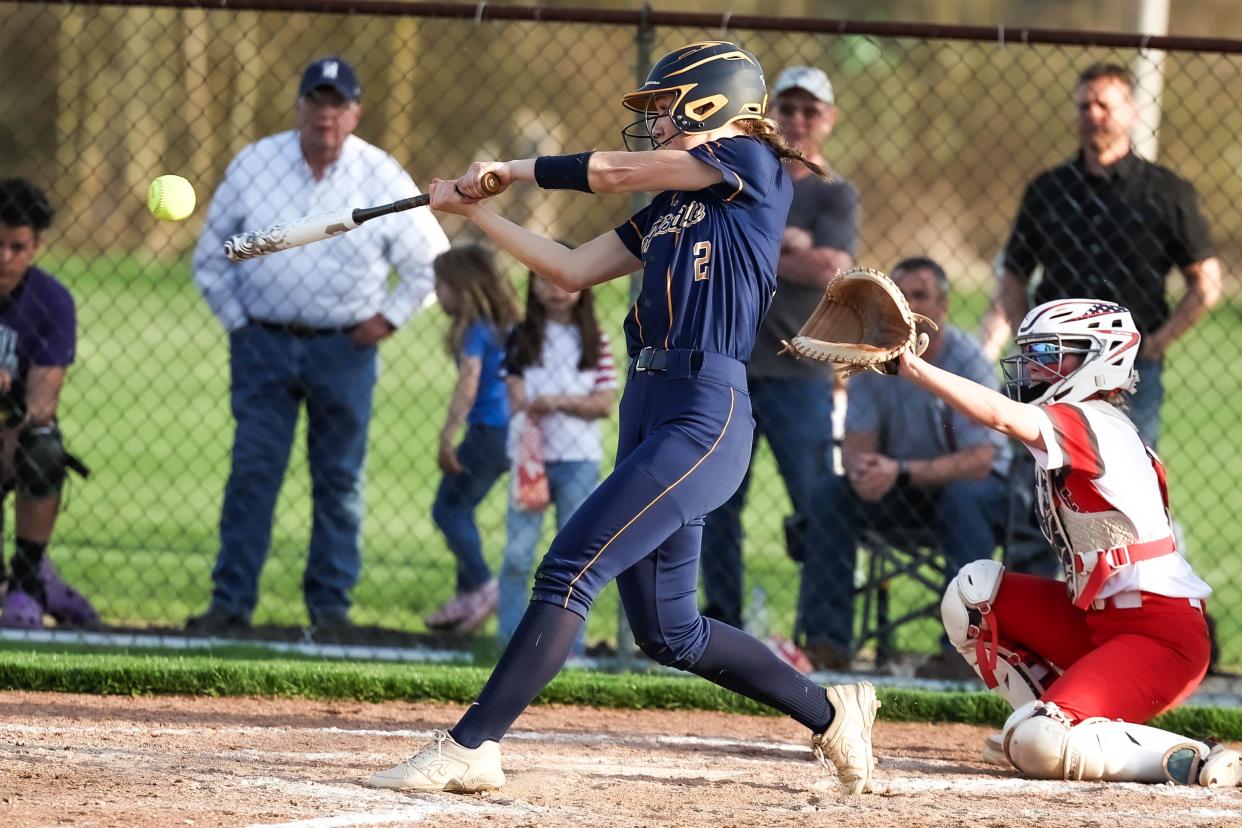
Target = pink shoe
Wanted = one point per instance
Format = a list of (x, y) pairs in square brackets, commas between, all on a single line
[(466, 610), (21, 612), (478, 606), (64, 603), (449, 614)]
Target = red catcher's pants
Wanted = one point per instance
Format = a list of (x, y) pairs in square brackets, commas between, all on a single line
[(1128, 664)]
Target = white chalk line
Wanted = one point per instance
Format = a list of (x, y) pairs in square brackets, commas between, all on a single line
[(589, 739)]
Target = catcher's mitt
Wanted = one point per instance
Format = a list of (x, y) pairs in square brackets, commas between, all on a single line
[(862, 323)]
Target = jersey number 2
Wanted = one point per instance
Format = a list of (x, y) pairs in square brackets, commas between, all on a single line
[(702, 260)]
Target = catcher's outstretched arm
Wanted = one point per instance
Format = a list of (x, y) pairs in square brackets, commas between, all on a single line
[(983, 405)]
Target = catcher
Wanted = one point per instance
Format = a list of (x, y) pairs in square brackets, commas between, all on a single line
[(1124, 638)]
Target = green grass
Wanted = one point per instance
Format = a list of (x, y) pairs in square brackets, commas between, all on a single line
[(238, 673), (147, 406)]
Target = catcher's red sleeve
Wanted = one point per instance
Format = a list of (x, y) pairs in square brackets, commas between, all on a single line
[(1076, 439)]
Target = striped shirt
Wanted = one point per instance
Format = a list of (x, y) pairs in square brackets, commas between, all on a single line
[(566, 437), (333, 283)]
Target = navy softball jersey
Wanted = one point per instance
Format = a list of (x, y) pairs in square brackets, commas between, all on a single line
[(709, 258), (709, 272)]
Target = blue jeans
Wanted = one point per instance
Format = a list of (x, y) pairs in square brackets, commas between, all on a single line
[(482, 453), (796, 418), (1145, 403), (273, 374), (968, 516), (569, 481)]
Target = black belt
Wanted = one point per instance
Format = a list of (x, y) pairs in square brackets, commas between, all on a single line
[(299, 330), (650, 359), (655, 359), (677, 363)]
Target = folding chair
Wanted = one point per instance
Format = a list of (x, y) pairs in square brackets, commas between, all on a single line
[(1025, 547), (909, 552)]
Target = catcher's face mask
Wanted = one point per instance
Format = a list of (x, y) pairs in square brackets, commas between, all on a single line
[(1039, 366)]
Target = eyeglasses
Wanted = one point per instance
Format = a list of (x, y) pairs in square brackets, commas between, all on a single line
[(789, 110), (1043, 353)]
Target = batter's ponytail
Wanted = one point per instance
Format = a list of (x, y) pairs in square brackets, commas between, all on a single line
[(767, 131)]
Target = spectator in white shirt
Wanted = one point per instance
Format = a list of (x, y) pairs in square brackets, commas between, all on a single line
[(561, 376), (303, 327)]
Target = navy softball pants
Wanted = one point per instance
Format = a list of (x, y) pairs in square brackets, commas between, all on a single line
[(683, 449)]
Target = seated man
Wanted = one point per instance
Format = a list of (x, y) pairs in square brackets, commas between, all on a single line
[(910, 461), (38, 335)]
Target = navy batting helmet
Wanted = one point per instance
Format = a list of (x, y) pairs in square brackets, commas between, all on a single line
[(713, 83)]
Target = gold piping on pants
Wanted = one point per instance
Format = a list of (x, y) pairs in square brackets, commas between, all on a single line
[(673, 485)]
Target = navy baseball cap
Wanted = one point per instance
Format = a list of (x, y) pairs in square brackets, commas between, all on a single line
[(332, 72)]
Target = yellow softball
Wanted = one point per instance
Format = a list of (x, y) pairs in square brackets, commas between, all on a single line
[(170, 198)]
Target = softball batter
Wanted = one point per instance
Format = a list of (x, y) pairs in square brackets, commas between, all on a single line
[(1124, 638), (707, 246)]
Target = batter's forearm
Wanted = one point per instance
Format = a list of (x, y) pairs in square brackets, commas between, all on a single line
[(546, 257), (651, 171)]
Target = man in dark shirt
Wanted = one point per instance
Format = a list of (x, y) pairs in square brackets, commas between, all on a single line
[(791, 399), (38, 336), (1108, 225)]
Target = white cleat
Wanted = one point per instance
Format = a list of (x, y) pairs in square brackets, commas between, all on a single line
[(847, 741), (1222, 768), (444, 765)]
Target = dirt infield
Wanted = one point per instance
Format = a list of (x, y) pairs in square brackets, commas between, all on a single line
[(136, 762)]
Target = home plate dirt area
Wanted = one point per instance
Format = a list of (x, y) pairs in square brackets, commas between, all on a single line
[(166, 761)]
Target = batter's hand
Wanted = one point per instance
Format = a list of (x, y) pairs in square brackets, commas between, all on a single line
[(446, 198), (471, 184), (370, 332)]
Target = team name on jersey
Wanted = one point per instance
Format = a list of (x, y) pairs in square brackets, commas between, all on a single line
[(687, 215)]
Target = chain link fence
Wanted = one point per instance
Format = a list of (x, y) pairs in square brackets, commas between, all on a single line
[(940, 136)]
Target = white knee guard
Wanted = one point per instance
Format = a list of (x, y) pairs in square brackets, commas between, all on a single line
[(1041, 742), (966, 610)]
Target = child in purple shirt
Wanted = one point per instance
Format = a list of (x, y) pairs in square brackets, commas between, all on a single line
[(38, 333)]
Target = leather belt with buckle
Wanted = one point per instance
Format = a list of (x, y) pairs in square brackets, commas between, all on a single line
[(299, 330), (650, 359)]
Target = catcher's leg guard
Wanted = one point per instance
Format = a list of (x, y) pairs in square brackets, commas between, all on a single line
[(1016, 674), (1043, 743)]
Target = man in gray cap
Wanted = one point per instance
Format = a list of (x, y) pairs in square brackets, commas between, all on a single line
[(791, 399)]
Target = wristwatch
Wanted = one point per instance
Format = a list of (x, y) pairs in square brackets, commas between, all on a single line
[(903, 473)]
